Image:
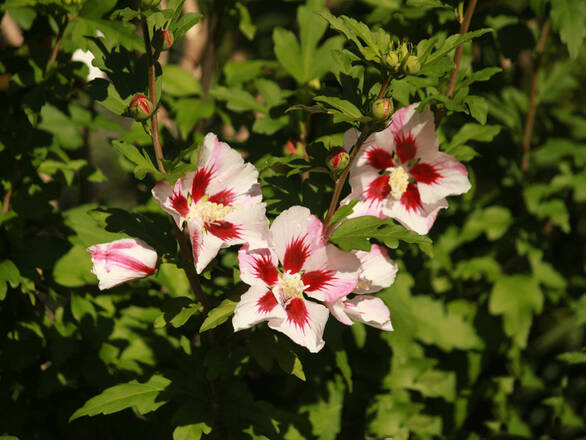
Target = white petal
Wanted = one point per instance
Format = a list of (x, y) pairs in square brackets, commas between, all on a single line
[(86, 57), (420, 125), (338, 311), (205, 246), (350, 137), (360, 181), (251, 220), (168, 199), (218, 156), (296, 224), (377, 270), (258, 266), (420, 219), (340, 273), (310, 333), (122, 260), (369, 310), (255, 306), (452, 178)]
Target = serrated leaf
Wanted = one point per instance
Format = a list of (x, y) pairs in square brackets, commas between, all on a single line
[(186, 22), (142, 161), (568, 17), (517, 298), (178, 81), (343, 106), (219, 315), (453, 42), (142, 396), (9, 274)]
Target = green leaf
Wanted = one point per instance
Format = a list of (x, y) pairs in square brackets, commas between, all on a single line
[(474, 132), (142, 161), (517, 298), (342, 212), (568, 17), (74, 268), (343, 106), (238, 100), (61, 126), (218, 315), (186, 22), (573, 357), (246, 26), (9, 274), (356, 232), (178, 81), (444, 328), (144, 397), (453, 42), (191, 432)]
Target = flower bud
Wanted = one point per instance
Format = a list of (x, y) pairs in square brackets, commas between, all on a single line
[(122, 260), (337, 159), (412, 65), (392, 61), (167, 39), (403, 51), (140, 108), (382, 108)]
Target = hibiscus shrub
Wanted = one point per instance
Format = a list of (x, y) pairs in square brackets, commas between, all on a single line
[(292, 220)]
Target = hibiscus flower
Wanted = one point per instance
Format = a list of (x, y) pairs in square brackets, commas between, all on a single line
[(297, 268), (377, 272), (400, 172), (122, 260), (220, 202)]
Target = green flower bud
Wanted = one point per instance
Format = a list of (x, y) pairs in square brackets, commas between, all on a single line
[(337, 160), (403, 51), (412, 65), (392, 61), (140, 108), (382, 108)]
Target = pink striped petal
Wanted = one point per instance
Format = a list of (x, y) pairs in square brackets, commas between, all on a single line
[(296, 235), (413, 133), (412, 213), (439, 176), (172, 200), (330, 274), (258, 266), (122, 260), (304, 324), (258, 304)]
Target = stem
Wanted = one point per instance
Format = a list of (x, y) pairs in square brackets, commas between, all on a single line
[(464, 25), (55, 52), (185, 252), (530, 121), (153, 96), (354, 152)]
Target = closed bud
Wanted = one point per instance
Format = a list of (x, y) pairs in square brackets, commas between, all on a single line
[(382, 108), (392, 61), (337, 159), (412, 65), (140, 108), (167, 39), (403, 52)]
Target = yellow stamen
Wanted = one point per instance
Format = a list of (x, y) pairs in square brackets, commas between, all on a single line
[(398, 180)]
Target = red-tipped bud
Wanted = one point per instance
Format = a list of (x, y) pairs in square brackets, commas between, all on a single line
[(337, 159), (140, 108), (167, 39), (382, 108)]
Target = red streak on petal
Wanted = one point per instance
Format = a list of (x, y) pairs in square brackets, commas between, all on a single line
[(295, 255), (112, 258), (405, 146), (265, 270), (410, 198), (120, 245), (195, 245), (201, 180), (267, 302), (317, 279), (378, 189), (425, 173), (179, 203), (379, 159), (223, 230), (225, 197), (297, 312)]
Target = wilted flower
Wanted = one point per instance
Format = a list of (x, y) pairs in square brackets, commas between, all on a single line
[(297, 265), (221, 202), (122, 260), (400, 172)]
